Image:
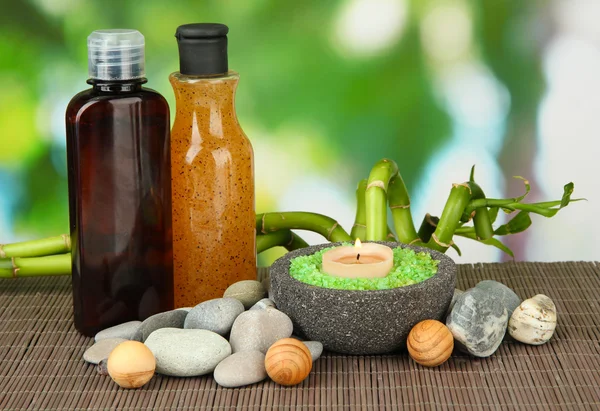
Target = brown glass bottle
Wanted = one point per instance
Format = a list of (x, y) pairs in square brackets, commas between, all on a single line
[(119, 176)]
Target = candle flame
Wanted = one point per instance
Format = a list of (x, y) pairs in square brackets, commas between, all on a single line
[(357, 243)]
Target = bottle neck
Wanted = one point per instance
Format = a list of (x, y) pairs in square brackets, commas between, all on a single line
[(117, 86), (215, 92)]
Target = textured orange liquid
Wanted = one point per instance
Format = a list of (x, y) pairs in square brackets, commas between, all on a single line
[(212, 172)]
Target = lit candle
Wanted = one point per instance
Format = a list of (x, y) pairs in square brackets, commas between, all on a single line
[(369, 260)]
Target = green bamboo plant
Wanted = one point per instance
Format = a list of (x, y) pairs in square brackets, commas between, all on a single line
[(467, 213)]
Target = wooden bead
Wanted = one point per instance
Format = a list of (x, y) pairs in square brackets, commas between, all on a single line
[(288, 361), (430, 343), (131, 364)]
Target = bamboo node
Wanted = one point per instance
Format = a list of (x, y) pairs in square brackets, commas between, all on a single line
[(456, 185), (359, 225), (438, 242), (430, 220), (16, 272), (67, 240), (416, 240), (333, 227), (262, 228), (2, 253), (291, 239), (400, 206), (377, 183)]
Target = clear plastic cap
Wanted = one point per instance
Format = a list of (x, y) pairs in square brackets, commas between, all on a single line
[(116, 54)]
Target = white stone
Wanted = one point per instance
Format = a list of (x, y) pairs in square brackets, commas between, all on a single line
[(534, 321)]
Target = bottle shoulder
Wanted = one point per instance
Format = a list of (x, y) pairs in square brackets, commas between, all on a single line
[(91, 98)]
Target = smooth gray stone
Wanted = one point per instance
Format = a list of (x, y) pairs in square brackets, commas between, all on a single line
[(257, 330), (457, 293), (509, 298), (361, 322), (215, 315), (187, 353), (168, 319), (478, 322), (248, 292), (187, 309), (241, 368), (101, 350), (263, 304), (126, 330), (315, 348)]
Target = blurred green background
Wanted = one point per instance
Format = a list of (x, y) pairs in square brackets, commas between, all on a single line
[(328, 88)]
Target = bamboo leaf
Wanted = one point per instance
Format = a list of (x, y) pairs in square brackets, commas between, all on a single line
[(566, 198), (527, 188), (494, 242), (490, 241), (517, 224), (493, 214), (456, 248)]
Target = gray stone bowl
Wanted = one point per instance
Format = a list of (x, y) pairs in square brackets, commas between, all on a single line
[(361, 322)]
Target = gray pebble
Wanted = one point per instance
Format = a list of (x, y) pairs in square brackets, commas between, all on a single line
[(263, 304), (215, 315), (257, 330), (509, 299), (168, 319), (102, 367), (478, 322), (126, 330), (101, 350), (315, 348), (248, 292), (241, 368), (187, 353)]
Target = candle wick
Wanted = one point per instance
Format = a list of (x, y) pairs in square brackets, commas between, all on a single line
[(357, 257)]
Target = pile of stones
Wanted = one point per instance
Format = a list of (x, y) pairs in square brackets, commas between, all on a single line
[(227, 336)]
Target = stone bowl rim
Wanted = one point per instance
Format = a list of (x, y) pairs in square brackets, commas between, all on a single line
[(444, 260)]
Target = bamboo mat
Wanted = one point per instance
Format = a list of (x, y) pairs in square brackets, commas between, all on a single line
[(41, 364)]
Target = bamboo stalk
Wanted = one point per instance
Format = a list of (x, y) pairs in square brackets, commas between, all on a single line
[(459, 197), (59, 264), (283, 238), (37, 248), (399, 202), (376, 199), (481, 217), (329, 228), (359, 229)]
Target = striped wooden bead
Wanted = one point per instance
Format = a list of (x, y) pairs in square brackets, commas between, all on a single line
[(288, 361), (430, 343)]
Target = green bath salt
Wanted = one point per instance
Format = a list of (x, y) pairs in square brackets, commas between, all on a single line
[(409, 268)]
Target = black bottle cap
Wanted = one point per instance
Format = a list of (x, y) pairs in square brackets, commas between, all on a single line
[(202, 48)]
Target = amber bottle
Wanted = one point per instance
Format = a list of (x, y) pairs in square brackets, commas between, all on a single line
[(119, 188), (212, 172)]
